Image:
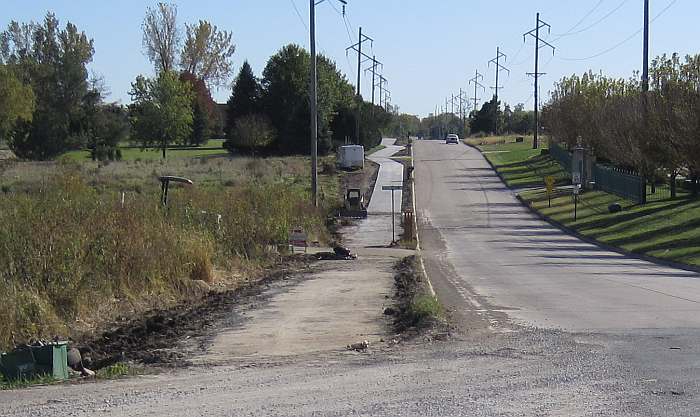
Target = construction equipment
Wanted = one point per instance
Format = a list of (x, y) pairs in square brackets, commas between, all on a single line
[(354, 204)]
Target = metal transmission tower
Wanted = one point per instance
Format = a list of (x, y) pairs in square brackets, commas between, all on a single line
[(382, 82), (358, 48), (314, 98), (499, 68), (535, 33), (477, 84), (373, 68)]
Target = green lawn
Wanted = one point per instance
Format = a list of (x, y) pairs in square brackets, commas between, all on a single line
[(668, 229), (213, 147), (663, 228), (518, 163)]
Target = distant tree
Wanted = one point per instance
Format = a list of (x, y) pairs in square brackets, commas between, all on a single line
[(205, 113), (252, 132), (161, 112), (245, 98), (16, 101), (207, 53), (161, 36), (110, 127), (53, 62), (484, 119)]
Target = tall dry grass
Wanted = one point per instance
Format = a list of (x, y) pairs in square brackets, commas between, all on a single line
[(69, 251)]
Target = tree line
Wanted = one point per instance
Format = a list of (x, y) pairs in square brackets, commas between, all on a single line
[(51, 104), (654, 133)]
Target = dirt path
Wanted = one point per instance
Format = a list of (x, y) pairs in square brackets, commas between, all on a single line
[(339, 304)]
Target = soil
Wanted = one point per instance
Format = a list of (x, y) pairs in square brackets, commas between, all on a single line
[(153, 338)]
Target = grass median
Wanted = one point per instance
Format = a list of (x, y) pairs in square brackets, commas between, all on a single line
[(667, 229)]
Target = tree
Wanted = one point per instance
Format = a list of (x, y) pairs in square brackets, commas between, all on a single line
[(111, 126), (285, 98), (205, 113), (53, 61), (252, 132), (161, 112), (484, 119), (161, 36), (245, 98), (16, 101), (207, 53)]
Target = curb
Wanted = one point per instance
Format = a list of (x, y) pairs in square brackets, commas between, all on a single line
[(592, 241)]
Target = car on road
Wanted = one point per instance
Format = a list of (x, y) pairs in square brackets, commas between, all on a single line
[(452, 138)]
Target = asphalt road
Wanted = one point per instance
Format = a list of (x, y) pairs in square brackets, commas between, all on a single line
[(489, 256)]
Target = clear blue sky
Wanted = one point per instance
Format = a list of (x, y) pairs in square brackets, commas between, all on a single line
[(429, 48)]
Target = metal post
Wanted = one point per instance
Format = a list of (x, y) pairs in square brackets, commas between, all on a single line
[(537, 63), (314, 98), (374, 71), (359, 95), (393, 219)]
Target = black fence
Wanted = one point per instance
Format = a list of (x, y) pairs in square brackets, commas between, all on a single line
[(626, 184)]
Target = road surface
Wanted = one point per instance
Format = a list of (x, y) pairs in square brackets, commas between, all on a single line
[(489, 256)]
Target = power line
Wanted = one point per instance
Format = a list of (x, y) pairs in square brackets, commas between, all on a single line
[(619, 6), (624, 41), (590, 12), (301, 19)]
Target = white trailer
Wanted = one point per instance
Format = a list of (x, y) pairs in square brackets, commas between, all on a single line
[(351, 156)]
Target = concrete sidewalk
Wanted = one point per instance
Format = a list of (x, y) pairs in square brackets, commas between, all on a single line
[(375, 230)]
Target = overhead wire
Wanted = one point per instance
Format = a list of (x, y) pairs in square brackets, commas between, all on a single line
[(624, 41), (301, 19)]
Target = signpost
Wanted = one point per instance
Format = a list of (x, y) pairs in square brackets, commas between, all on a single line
[(392, 188), (549, 183)]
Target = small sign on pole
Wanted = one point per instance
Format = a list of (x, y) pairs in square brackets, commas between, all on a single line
[(549, 183)]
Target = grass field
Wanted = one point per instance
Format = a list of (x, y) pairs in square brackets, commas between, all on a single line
[(213, 147), (663, 228), (518, 163)]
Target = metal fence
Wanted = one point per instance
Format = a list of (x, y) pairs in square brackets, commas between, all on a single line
[(561, 155), (624, 184)]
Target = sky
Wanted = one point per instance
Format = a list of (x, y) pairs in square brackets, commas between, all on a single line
[(429, 49)]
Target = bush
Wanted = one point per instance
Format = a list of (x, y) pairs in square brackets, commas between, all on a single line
[(251, 133)]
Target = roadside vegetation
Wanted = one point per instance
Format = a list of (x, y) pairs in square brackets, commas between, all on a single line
[(417, 308), (666, 229), (519, 165), (73, 256)]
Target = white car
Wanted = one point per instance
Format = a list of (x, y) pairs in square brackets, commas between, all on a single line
[(452, 138)]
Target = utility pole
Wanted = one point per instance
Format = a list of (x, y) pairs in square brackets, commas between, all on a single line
[(373, 68), (645, 70), (314, 98), (382, 81), (477, 84), (358, 48), (536, 74), (499, 68)]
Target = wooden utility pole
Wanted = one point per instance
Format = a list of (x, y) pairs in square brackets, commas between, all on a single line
[(535, 33)]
